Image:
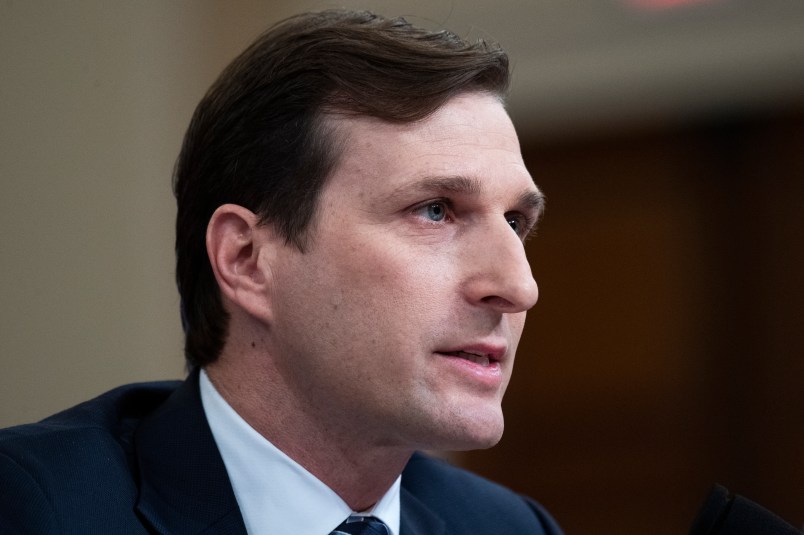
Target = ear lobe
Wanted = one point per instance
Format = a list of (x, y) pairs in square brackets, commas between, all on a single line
[(234, 246)]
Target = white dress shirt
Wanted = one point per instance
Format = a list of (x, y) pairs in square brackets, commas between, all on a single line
[(275, 494)]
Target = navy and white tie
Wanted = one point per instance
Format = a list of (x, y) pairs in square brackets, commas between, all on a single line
[(362, 525)]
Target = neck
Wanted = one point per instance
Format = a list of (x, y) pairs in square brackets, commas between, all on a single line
[(357, 470)]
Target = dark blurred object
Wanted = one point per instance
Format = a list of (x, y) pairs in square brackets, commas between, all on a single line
[(723, 514)]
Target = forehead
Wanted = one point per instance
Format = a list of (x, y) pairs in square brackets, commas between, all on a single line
[(470, 136)]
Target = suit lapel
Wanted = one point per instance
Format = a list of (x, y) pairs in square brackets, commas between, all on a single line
[(184, 487), (416, 518)]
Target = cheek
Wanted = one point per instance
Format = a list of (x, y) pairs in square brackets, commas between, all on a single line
[(517, 322), (397, 301), (369, 291), (387, 272), (516, 325)]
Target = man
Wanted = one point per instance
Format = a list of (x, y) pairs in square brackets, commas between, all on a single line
[(352, 206)]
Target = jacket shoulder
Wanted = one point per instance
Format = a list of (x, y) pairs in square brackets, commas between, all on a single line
[(54, 471), (470, 503), (105, 422)]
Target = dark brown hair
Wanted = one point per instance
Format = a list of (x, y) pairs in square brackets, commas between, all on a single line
[(259, 137)]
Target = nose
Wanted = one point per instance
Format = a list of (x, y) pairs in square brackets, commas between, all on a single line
[(499, 274)]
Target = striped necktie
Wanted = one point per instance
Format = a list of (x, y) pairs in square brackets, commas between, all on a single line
[(362, 525)]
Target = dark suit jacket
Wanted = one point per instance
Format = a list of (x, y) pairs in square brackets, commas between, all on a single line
[(141, 459)]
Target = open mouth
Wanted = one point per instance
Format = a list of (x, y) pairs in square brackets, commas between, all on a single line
[(482, 360)]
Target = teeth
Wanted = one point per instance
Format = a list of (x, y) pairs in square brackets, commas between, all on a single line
[(483, 361), (477, 359)]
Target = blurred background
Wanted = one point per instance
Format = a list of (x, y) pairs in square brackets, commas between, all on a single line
[(666, 352)]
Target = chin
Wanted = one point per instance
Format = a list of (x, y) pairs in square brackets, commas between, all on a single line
[(481, 442), (474, 435)]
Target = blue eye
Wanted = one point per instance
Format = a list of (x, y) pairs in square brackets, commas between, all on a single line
[(436, 211), (519, 223)]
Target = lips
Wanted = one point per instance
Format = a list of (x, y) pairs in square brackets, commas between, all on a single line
[(483, 354), (482, 360), (480, 365)]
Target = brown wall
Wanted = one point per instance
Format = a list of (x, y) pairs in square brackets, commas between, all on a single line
[(665, 353)]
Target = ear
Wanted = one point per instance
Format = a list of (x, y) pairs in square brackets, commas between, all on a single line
[(238, 248)]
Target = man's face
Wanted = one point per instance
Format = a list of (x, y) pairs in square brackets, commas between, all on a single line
[(401, 319)]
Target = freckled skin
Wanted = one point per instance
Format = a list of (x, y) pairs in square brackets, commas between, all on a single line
[(360, 316)]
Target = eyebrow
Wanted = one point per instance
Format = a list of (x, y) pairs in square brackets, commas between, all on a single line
[(533, 201), (437, 184)]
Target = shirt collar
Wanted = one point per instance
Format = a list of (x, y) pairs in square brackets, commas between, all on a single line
[(274, 492)]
